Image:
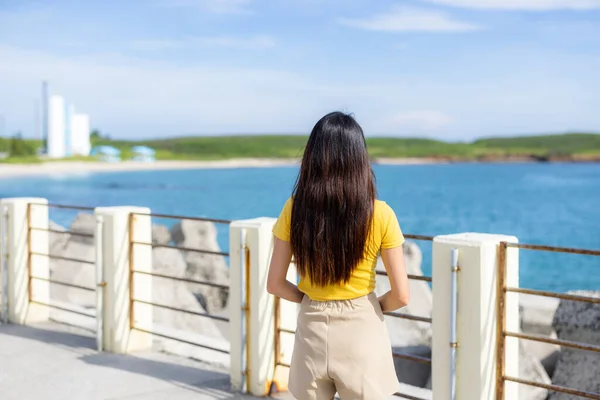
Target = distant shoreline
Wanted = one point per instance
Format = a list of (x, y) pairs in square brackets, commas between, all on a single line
[(83, 167)]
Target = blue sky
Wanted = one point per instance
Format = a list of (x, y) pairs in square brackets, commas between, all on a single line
[(448, 69)]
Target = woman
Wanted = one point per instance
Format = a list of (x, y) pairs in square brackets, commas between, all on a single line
[(335, 228)]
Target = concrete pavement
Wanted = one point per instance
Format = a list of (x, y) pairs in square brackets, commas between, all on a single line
[(52, 361)]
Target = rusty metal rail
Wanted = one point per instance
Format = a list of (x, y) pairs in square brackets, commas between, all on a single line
[(183, 217), (188, 249), (71, 285), (63, 206), (502, 333), (52, 256), (562, 296), (186, 280), (162, 335), (57, 307), (407, 396), (167, 307), (409, 317), (412, 357), (410, 276), (555, 249), (558, 342), (72, 233), (555, 388), (419, 237)]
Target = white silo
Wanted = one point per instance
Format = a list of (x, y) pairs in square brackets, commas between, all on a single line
[(69, 112), (80, 135), (56, 127)]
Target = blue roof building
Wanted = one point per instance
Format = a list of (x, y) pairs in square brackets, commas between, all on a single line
[(143, 154), (106, 153)]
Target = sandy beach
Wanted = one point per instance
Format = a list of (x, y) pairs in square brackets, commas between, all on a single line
[(78, 167)]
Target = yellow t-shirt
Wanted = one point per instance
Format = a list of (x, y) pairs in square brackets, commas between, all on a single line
[(385, 234)]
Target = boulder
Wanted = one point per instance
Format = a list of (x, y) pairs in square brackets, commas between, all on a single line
[(160, 235), (577, 322), (531, 369), (176, 294), (195, 234), (537, 314), (212, 268), (57, 241), (208, 268), (84, 223), (405, 332), (411, 372), (77, 273)]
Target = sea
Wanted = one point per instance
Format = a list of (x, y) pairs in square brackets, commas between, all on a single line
[(540, 203)]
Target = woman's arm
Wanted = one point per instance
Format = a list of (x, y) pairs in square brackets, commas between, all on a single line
[(277, 284), (399, 294)]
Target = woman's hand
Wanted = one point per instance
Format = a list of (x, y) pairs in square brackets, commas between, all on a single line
[(399, 295), (277, 284)]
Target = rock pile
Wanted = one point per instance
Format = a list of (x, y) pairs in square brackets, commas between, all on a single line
[(76, 247), (577, 322), (167, 261), (204, 267)]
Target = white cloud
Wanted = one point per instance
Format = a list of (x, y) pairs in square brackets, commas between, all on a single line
[(526, 5), (255, 42), (213, 6), (419, 121), (155, 44), (403, 19)]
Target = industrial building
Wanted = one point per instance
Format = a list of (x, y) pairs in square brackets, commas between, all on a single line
[(68, 132)]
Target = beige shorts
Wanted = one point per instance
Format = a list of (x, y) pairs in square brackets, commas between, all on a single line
[(342, 346)]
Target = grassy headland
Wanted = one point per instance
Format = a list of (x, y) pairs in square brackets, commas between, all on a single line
[(563, 147), (575, 146)]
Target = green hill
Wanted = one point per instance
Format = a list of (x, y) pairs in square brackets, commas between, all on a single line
[(574, 146), (289, 146), (565, 144)]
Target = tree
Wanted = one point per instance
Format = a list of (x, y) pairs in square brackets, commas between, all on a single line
[(20, 148)]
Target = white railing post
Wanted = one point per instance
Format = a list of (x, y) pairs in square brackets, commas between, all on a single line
[(3, 272), (26, 297), (476, 315), (251, 308), (100, 284), (119, 314)]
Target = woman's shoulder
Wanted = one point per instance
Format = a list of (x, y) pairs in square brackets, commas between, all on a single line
[(287, 207), (382, 212), (382, 208)]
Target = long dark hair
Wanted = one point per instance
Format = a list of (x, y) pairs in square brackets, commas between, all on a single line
[(333, 201)]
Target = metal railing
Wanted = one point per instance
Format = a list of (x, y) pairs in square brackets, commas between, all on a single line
[(133, 271), (401, 355), (3, 264), (502, 333), (92, 288)]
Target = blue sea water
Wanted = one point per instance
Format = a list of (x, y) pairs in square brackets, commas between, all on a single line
[(552, 204)]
